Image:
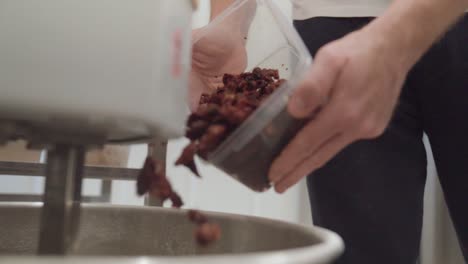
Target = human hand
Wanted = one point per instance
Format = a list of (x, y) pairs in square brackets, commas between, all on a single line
[(221, 51), (355, 82)]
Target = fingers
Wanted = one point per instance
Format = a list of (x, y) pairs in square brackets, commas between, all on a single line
[(315, 161), (314, 91), (306, 142), (305, 152), (310, 95)]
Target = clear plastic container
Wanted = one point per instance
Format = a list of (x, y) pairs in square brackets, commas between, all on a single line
[(271, 42)]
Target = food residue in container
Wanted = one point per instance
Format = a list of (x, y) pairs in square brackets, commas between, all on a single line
[(222, 111)]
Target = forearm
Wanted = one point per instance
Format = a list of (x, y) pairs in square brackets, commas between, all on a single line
[(218, 6), (413, 26), (240, 19)]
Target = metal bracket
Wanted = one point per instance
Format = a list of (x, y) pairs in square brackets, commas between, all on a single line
[(62, 197)]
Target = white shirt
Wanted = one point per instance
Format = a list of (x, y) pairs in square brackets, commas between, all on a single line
[(303, 9)]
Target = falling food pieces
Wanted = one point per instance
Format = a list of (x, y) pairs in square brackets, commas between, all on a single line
[(207, 233), (217, 116), (197, 217), (187, 158), (152, 179)]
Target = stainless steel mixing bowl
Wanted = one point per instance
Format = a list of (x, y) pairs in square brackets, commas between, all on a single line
[(146, 235)]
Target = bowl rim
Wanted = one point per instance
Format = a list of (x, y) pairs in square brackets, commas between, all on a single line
[(329, 247)]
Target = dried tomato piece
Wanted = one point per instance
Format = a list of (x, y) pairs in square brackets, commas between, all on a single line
[(207, 233), (229, 99), (211, 139), (270, 73), (234, 115), (187, 157), (152, 179), (257, 72), (222, 111), (227, 78), (196, 129), (161, 188), (176, 200), (145, 176), (197, 217), (204, 98), (243, 86), (261, 84), (206, 111)]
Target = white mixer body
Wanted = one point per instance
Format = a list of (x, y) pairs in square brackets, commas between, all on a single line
[(117, 69)]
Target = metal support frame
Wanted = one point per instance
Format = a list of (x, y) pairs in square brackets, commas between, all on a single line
[(106, 174), (62, 197), (90, 172)]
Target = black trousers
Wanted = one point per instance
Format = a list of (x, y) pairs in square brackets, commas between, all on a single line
[(372, 192)]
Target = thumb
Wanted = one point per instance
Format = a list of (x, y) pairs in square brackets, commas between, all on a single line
[(315, 89)]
